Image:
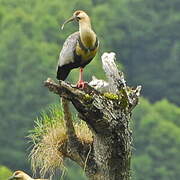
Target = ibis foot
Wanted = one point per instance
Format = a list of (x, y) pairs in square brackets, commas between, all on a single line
[(81, 84)]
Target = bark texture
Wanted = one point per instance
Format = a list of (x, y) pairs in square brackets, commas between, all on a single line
[(106, 108)]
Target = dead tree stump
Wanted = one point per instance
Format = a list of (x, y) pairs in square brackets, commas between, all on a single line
[(106, 108)]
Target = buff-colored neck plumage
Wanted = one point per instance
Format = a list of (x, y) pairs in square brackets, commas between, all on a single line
[(88, 37)]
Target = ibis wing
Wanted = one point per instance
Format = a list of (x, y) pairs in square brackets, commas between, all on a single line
[(67, 53)]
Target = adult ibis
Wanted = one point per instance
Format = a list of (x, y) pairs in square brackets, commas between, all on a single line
[(78, 49)]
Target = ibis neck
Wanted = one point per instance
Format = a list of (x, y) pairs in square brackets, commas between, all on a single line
[(87, 35)]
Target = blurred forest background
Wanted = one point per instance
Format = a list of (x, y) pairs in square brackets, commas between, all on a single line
[(145, 35)]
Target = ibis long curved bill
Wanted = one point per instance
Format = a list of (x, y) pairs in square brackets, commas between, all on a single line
[(67, 21), (11, 178)]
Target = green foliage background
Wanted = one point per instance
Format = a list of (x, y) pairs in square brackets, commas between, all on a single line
[(145, 36), (5, 173)]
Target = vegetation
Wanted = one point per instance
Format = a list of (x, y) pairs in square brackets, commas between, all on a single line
[(145, 36), (5, 173), (157, 141), (48, 136)]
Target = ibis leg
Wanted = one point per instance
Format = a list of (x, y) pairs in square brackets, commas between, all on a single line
[(81, 83)]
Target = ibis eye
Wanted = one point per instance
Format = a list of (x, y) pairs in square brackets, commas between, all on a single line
[(78, 18)]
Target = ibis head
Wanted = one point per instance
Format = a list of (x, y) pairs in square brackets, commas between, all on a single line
[(20, 175), (78, 16)]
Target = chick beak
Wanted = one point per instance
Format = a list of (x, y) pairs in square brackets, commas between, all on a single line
[(67, 21)]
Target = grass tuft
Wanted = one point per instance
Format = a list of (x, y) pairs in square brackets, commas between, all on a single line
[(48, 135)]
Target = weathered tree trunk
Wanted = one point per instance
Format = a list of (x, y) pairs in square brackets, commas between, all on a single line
[(106, 108)]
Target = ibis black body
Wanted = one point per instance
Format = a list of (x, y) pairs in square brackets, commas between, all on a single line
[(72, 60)]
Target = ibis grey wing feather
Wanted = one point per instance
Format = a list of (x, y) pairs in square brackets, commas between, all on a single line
[(67, 53)]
